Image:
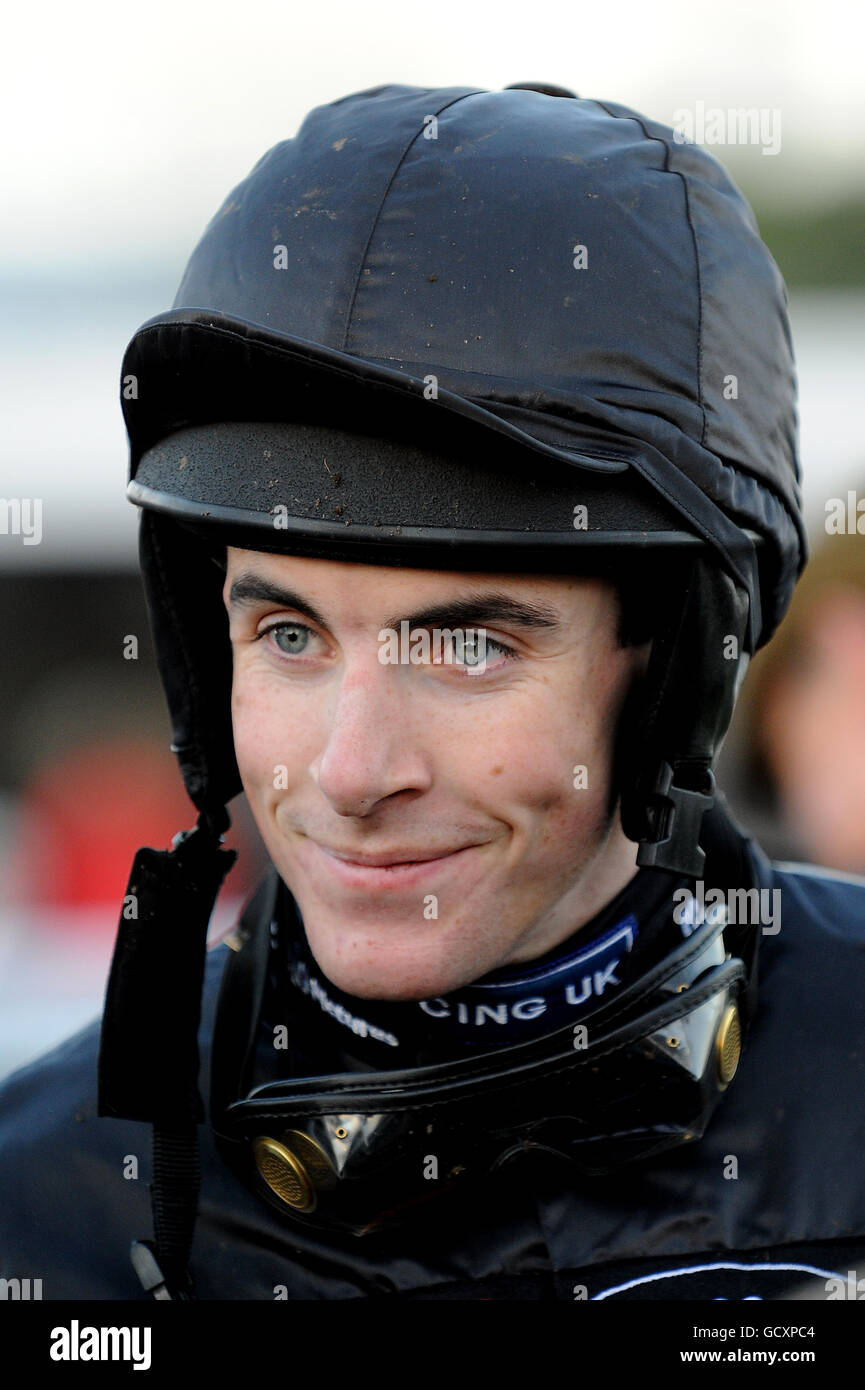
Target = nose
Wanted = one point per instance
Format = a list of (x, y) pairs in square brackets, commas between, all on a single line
[(373, 747)]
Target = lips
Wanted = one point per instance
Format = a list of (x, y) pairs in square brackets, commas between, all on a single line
[(394, 858), (389, 871)]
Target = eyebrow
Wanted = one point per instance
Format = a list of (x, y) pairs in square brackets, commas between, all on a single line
[(492, 607), (248, 589)]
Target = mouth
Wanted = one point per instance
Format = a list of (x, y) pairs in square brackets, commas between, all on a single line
[(393, 860), (397, 868)]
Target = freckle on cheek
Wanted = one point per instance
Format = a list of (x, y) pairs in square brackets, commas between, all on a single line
[(495, 771)]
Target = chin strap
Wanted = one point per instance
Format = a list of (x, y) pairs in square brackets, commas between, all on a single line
[(148, 1052)]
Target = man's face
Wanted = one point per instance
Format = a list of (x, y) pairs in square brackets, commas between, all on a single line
[(425, 816)]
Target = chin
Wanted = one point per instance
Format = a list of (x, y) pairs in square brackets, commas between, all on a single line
[(384, 966)]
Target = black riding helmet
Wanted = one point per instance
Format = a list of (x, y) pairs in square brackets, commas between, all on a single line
[(461, 329)]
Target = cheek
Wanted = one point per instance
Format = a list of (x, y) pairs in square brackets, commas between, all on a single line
[(270, 733), (560, 787), (549, 753), (248, 710)]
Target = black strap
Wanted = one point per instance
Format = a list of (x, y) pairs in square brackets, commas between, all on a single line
[(162, 1265), (241, 993), (148, 1051), (174, 1200)]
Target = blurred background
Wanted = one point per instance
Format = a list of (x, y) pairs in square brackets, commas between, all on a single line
[(124, 129)]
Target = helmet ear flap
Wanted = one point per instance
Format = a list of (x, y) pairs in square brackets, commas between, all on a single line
[(675, 718), (183, 585)]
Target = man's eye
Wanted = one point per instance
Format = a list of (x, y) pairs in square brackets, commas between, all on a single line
[(291, 638), (472, 649)]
